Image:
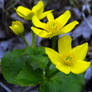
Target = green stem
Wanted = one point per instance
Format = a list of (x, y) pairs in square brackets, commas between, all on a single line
[(53, 45), (33, 40), (0, 61), (47, 68), (22, 36), (54, 42)]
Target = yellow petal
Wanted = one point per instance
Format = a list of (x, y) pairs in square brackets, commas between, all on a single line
[(80, 67), (39, 7), (63, 68), (24, 12), (50, 17), (53, 55), (69, 27), (36, 22), (64, 17), (44, 14), (64, 44), (39, 32), (80, 51)]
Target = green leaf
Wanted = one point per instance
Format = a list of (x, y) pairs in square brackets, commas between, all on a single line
[(18, 66), (12, 64), (28, 75), (63, 83), (38, 58)]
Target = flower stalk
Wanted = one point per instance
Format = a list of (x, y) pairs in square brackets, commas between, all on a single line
[(33, 40), (54, 42), (22, 36)]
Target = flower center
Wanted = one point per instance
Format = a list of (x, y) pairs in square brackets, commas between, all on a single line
[(53, 27), (67, 60)]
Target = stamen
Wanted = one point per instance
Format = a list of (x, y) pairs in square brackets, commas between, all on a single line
[(68, 58), (53, 26)]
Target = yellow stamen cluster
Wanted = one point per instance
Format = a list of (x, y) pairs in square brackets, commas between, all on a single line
[(53, 26), (67, 60)]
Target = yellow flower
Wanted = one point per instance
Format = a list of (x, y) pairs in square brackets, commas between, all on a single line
[(37, 10), (69, 59), (53, 27), (17, 27)]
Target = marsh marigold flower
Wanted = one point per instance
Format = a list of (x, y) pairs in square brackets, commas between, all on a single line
[(69, 59), (17, 27), (53, 27), (37, 10)]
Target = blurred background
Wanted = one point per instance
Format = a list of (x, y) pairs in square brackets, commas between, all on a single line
[(81, 10)]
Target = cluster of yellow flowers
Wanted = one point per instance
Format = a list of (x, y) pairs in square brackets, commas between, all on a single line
[(68, 59)]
